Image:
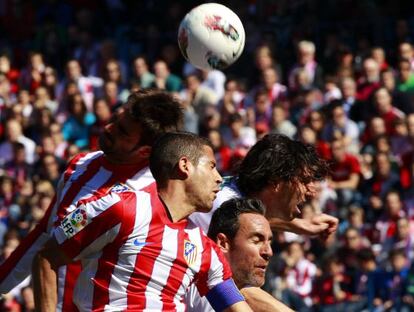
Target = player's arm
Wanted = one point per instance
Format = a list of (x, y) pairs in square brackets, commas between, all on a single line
[(226, 297), (44, 274), (239, 307), (85, 231), (321, 224), (261, 301)]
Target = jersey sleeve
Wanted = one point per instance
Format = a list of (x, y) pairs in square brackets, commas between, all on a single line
[(92, 225), (214, 268)]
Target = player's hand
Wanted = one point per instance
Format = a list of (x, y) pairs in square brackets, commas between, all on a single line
[(321, 224)]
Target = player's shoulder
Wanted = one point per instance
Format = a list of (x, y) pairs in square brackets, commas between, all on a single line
[(228, 190), (85, 157)]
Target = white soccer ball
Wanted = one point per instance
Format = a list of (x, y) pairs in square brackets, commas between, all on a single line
[(211, 36)]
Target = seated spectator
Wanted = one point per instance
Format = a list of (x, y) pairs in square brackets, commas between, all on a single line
[(367, 266), (393, 210), (348, 91), (341, 126), (43, 100), (406, 51), (382, 182), (198, 97), (49, 169), (408, 297), (111, 95), (386, 110), (222, 152), (331, 90), (374, 129), (87, 86), (387, 287), (141, 72), (299, 277), (345, 175), (400, 99), (58, 140), (333, 290), (14, 134), (306, 61), (261, 110), (403, 239), (232, 101), (405, 81), (378, 54), (316, 120), (17, 168), (40, 124), (368, 82), (103, 114), (356, 220), (12, 74), (164, 79), (280, 123), (238, 136), (353, 243), (76, 128), (308, 135), (113, 74)]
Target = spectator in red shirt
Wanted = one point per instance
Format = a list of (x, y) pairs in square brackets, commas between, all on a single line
[(345, 174), (332, 291), (386, 110), (370, 80), (386, 226), (382, 182)]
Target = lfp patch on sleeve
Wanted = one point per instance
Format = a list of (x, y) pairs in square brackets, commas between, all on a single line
[(75, 221)]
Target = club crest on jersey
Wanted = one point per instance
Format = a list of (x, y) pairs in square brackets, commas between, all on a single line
[(119, 188), (74, 222), (190, 252)]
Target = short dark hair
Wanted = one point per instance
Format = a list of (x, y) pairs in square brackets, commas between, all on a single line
[(169, 148), (226, 218), (157, 112), (276, 158)]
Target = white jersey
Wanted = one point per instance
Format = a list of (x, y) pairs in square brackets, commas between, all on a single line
[(228, 190)]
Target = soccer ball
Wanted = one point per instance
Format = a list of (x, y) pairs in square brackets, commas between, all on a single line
[(211, 36)]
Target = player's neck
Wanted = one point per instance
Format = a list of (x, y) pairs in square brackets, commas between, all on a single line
[(176, 203)]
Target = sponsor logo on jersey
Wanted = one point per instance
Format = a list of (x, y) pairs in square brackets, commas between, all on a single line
[(139, 243), (190, 252), (75, 221), (119, 188)]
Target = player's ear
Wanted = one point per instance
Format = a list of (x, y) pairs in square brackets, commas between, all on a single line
[(184, 166), (223, 242), (145, 151)]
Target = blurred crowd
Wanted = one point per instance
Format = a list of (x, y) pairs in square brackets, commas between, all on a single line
[(338, 75)]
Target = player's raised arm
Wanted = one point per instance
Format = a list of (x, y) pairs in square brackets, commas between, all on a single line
[(44, 273)]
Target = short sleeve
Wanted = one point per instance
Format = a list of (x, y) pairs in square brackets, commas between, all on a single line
[(91, 226)]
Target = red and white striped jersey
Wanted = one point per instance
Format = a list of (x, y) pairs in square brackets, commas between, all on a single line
[(87, 175), (134, 257)]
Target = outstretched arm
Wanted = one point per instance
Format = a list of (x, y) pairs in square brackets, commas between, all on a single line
[(239, 307), (322, 225)]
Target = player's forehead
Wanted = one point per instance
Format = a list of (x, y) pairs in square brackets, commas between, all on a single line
[(251, 224), (207, 155)]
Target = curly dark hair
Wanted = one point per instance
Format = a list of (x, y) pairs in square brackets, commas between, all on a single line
[(157, 112), (276, 158)]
